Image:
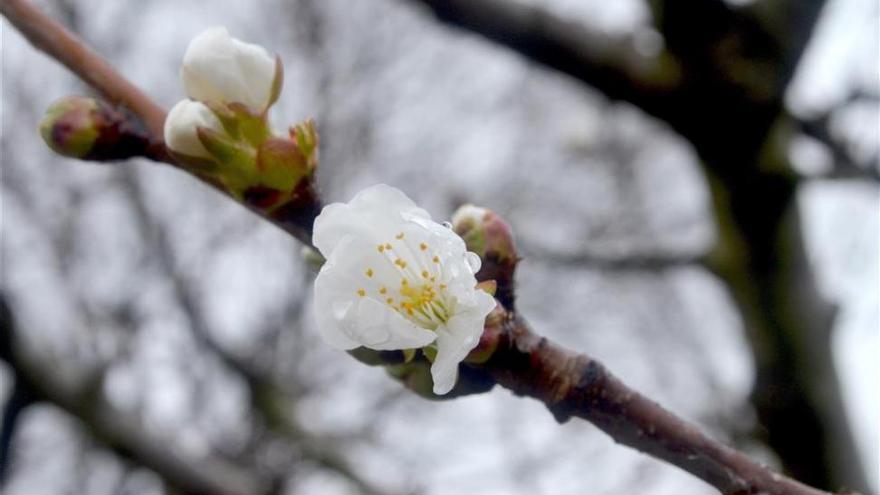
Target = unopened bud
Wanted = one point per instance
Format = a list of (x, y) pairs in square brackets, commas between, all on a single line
[(221, 69), (491, 238), (485, 233), (281, 163), (182, 129), (89, 129)]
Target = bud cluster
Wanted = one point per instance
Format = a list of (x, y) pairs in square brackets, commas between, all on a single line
[(221, 131)]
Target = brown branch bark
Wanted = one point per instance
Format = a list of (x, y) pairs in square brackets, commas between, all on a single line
[(572, 384), (575, 385), (62, 45)]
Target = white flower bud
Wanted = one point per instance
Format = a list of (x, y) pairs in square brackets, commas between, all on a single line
[(181, 128), (219, 68)]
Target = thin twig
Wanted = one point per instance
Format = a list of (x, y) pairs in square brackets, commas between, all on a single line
[(62, 45), (845, 164), (612, 64), (116, 431), (262, 388)]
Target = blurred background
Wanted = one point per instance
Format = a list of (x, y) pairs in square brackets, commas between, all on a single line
[(177, 330)]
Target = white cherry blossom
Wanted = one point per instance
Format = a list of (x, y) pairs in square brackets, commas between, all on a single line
[(219, 68), (395, 279)]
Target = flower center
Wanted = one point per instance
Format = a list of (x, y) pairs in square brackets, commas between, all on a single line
[(407, 277)]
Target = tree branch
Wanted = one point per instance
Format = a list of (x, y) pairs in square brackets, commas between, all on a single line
[(572, 384), (612, 65), (62, 45), (845, 165), (18, 401), (113, 430), (733, 65), (576, 385), (647, 262), (262, 388)]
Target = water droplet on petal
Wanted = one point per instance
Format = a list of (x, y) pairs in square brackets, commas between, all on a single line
[(448, 225), (473, 261)]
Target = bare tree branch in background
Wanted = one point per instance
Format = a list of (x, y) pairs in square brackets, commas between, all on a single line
[(19, 400), (267, 399), (610, 64), (846, 164), (115, 430)]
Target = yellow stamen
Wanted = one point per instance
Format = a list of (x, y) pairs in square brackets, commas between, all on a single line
[(382, 290), (362, 292), (436, 259), (381, 248), (425, 273), (369, 272), (423, 246), (399, 236)]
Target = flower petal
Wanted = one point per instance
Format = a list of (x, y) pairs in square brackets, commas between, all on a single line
[(348, 319), (220, 68), (456, 339), (378, 327), (181, 126), (375, 213)]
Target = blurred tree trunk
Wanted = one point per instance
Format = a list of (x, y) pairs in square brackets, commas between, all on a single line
[(737, 67)]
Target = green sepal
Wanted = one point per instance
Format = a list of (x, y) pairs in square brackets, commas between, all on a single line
[(235, 162), (280, 163), (277, 83), (223, 148), (430, 352), (250, 126), (306, 138), (409, 354)]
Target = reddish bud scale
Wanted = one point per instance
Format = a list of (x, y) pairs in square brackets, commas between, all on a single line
[(261, 197)]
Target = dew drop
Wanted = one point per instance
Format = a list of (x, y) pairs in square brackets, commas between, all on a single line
[(448, 225), (473, 261)]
